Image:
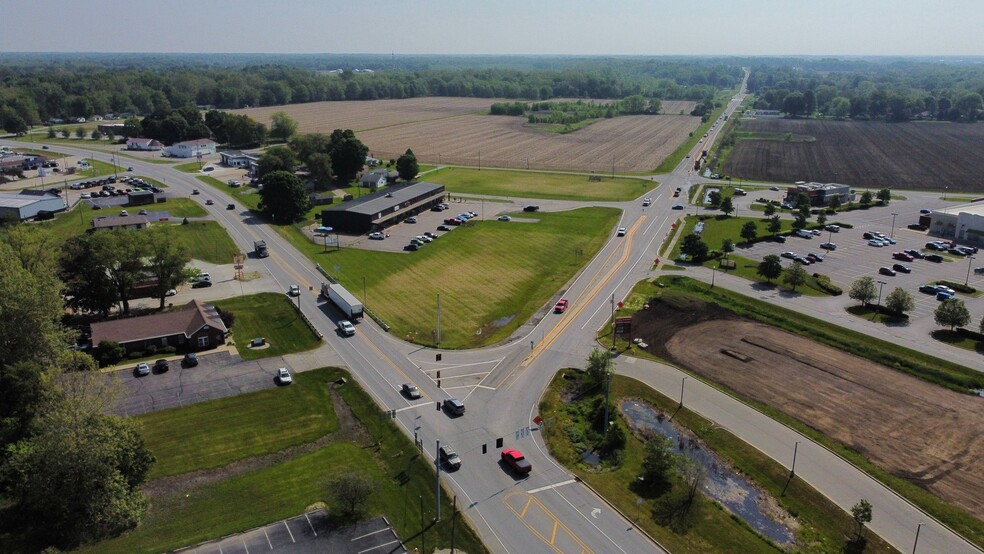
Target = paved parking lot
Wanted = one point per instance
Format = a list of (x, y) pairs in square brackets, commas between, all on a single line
[(308, 533)]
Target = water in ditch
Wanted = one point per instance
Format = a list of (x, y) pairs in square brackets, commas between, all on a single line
[(723, 485)]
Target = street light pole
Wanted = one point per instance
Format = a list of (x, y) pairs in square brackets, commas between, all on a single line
[(792, 470), (682, 383), (970, 260), (894, 215), (437, 460), (915, 543)]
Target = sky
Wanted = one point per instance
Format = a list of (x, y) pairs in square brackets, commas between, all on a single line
[(565, 27)]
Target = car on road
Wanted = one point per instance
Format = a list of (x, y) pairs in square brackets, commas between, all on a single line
[(876, 243), (448, 457), (44, 147), (886, 271), (195, 192), (130, 168), (905, 257), (283, 376), (504, 218), (201, 284), (531, 208), (410, 391), (647, 202), (828, 246), (142, 212), (209, 202), (190, 359), (515, 459), (621, 231), (454, 406), (230, 206), (902, 268), (935, 258), (925, 211), (561, 306), (160, 366), (294, 290), (790, 255), (774, 189), (143, 368), (346, 328), (917, 255), (377, 236), (411, 219), (677, 206)]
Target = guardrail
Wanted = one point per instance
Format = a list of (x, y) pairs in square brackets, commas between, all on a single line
[(379, 321), (305, 318)]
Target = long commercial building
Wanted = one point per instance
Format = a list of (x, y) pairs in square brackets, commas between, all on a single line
[(964, 223), (384, 208)]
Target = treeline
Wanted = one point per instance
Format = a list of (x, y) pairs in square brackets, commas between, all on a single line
[(868, 90), (35, 94), (566, 113)]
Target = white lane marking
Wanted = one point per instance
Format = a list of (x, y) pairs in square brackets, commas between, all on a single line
[(440, 367), (446, 377), (412, 407), (479, 385), (378, 546), (383, 530), (548, 487)]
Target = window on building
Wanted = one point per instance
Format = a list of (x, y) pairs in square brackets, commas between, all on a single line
[(203, 341)]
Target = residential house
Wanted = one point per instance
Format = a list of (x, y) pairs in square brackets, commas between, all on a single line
[(146, 144), (191, 148), (374, 179), (195, 326)]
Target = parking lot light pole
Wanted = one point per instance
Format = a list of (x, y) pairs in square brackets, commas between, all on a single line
[(880, 285), (970, 261), (894, 215)]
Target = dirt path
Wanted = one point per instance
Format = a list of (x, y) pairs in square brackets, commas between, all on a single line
[(350, 430), (916, 430)]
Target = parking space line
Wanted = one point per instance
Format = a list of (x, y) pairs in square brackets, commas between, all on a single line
[(244, 544), (378, 546), (310, 524), (383, 530), (268, 538), (289, 533)]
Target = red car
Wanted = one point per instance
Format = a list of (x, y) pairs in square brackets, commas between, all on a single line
[(561, 306), (902, 256), (515, 460), (453, 221)]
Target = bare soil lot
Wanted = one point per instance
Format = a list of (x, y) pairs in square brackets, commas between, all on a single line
[(918, 431), (926, 155), (455, 131)]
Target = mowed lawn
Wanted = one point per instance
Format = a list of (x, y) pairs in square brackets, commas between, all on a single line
[(492, 275), (271, 316), (527, 184), (213, 434)]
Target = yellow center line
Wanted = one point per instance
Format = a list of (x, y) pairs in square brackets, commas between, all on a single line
[(581, 305), (553, 536)]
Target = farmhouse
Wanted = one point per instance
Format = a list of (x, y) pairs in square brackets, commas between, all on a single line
[(962, 223), (195, 326), (120, 222), (147, 144), (26, 204), (819, 193), (375, 179), (383, 208), (191, 148)]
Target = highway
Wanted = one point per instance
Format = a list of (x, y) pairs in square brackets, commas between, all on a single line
[(548, 511)]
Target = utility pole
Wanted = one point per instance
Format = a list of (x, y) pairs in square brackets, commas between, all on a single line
[(613, 322), (437, 462), (608, 386), (439, 320)]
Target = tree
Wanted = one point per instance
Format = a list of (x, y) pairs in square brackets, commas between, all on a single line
[(599, 365), (132, 127), (749, 231), (108, 352), (727, 205), (714, 197), (77, 476), (822, 217), (88, 288), (770, 267), (799, 222), (166, 260), (319, 168), (899, 301), (96, 134), (693, 472), (952, 313), (863, 290), (770, 209), (283, 197), (282, 126), (80, 132), (351, 490), (348, 154), (835, 203), (278, 158), (795, 275), (407, 166), (866, 199), (727, 246), (775, 225), (51, 132), (861, 512), (121, 253), (66, 133), (659, 461), (694, 247), (884, 195)]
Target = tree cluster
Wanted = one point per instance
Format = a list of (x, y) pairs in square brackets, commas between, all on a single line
[(341, 151)]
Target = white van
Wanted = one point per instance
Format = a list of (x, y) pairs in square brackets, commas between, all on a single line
[(804, 234)]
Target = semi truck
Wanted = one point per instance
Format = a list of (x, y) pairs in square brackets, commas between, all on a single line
[(345, 300), (260, 249)]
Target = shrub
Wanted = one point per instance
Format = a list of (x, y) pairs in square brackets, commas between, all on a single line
[(168, 350), (108, 352), (151, 349), (135, 355)]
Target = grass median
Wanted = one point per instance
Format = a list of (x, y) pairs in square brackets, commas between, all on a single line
[(268, 315), (530, 184)]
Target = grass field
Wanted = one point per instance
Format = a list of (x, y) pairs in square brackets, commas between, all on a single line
[(190, 167), (246, 196), (268, 315), (823, 525), (539, 185), (272, 492), (213, 434), (491, 277)]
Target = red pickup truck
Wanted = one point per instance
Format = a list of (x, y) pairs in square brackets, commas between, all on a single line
[(515, 460)]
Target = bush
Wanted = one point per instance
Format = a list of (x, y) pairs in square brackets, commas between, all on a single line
[(168, 350), (108, 352), (959, 287), (151, 349), (135, 355), (823, 281)]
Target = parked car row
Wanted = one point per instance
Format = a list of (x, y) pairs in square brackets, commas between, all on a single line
[(807, 259), (160, 366)]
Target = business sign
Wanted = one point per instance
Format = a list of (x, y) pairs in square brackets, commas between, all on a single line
[(623, 325)]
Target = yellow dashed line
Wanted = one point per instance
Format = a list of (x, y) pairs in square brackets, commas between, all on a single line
[(532, 501)]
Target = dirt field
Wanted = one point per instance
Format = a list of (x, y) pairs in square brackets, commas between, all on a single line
[(918, 431), (926, 155), (452, 131)]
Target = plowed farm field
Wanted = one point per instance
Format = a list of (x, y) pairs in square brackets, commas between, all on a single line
[(911, 428), (929, 156), (455, 131)]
